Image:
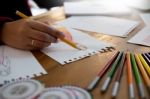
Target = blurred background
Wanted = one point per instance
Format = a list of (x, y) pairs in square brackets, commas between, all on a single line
[(141, 4), (52, 3), (45, 5)]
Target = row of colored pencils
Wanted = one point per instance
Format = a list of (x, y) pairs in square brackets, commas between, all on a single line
[(137, 64)]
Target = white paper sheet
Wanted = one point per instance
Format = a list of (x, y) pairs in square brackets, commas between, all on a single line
[(95, 8), (139, 4), (146, 18), (100, 24), (63, 53), (15, 64), (142, 37)]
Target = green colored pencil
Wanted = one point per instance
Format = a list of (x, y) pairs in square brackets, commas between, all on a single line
[(137, 76), (111, 73)]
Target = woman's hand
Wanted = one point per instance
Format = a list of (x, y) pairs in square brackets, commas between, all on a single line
[(29, 34)]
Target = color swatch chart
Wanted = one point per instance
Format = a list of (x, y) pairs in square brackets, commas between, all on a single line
[(137, 68)]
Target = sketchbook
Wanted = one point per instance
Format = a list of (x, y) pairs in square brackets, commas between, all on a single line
[(142, 37), (101, 24), (18, 64), (64, 54)]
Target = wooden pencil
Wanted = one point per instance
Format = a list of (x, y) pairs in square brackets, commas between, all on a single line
[(143, 72), (102, 72), (148, 55), (146, 59), (146, 66), (118, 76), (69, 42), (130, 76), (137, 77), (111, 73)]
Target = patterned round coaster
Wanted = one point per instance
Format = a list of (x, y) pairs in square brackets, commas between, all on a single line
[(56, 93), (22, 89), (79, 92)]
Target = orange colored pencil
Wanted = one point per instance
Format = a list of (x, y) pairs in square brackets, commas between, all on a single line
[(130, 77), (143, 72)]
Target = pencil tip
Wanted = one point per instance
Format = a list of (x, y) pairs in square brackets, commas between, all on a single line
[(81, 47)]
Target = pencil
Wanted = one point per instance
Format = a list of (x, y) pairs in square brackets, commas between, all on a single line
[(143, 72), (146, 59), (111, 73), (102, 72), (137, 77), (69, 42), (147, 55), (146, 66), (130, 77), (118, 76)]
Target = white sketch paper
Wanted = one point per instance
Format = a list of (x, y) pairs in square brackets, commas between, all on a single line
[(146, 18), (142, 37), (101, 24), (95, 8), (18, 64), (63, 53)]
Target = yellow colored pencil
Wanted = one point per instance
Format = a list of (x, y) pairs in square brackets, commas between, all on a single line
[(146, 66), (63, 39), (143, 72)]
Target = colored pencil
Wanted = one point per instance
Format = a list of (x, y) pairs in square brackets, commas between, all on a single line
[(111, 73), (69, 42), (146, 59), (118, 76), (143, 72), (148, 55), (137, 77), (130, 77), (146, 66), (102, 72)]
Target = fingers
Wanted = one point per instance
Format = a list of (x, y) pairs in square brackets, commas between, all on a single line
[(41, 36), (46, 29), (37, 45)]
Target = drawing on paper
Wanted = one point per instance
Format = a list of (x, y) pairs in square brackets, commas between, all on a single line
[(4, 63)]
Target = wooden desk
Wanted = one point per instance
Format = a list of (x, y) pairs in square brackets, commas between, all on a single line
[(82, 72)]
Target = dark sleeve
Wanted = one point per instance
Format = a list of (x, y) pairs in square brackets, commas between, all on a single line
[(4, 19), (7, 13)]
